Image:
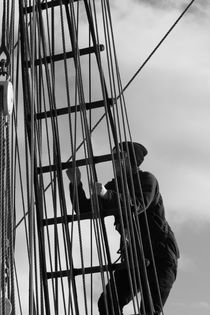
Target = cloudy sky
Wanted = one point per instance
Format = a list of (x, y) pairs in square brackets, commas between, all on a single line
[(168, 109), (168, 106)]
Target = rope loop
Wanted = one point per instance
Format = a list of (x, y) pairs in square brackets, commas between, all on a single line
[(5, 51), (3, 66)]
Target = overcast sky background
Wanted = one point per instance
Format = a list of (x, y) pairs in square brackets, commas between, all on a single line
[(168, 108)]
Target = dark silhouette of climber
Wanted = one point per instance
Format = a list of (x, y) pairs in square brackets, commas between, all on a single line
[(151, 214)]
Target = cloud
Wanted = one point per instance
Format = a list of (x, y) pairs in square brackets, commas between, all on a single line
[(169, 113), (162, 4), (143, 28), (198, 8), (202, 305), (186, 264), (199, 305)]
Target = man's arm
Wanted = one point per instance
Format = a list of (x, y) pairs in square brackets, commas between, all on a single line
[(77, 194), (146, 191)]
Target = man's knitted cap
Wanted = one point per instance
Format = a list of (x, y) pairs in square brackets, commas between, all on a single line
[(134, 148)]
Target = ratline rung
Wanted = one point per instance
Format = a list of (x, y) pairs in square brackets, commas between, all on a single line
[(82, 162), (76, 217), (73, 109), (49, 4), (67, 55), (80, 271)]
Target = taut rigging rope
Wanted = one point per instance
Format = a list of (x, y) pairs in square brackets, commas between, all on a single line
[(123, 89), (158, 45), (53, 203), (7, 235)]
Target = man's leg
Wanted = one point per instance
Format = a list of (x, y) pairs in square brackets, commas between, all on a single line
[(123, 294), (166, 272)]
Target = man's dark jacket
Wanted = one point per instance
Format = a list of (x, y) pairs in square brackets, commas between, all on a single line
[(147, 200)]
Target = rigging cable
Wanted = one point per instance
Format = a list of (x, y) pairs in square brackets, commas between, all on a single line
[(124, 88), (127, 85), (88, 135), (134, 227), (109, 39), (156, 47), (7, 238)]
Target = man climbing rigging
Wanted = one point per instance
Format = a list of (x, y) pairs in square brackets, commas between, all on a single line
[(140, 219)]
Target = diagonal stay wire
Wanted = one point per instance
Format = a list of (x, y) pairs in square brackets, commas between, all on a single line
[(67, 161), (156, 47), (129, 82)]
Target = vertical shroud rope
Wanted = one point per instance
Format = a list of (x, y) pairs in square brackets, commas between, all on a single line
[(49, 86), (7, 214), (7, 290), (63, 250)]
